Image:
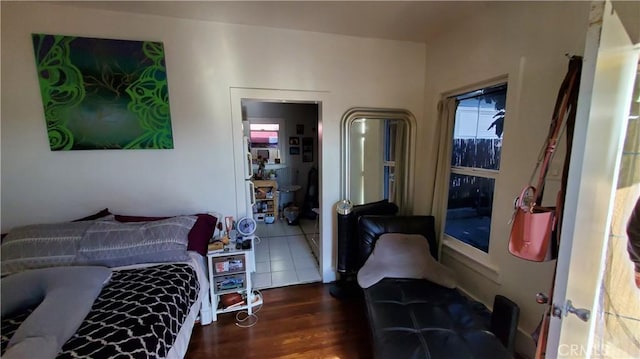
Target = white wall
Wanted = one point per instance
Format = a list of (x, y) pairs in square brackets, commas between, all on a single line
[(527, 41), (204, 61)]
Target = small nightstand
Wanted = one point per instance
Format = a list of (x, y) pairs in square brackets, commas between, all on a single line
[(230, 272)]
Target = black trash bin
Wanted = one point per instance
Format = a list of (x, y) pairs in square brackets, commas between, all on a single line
[(292, 214)]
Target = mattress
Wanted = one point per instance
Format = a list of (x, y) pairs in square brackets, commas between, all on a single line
[(144, 311)]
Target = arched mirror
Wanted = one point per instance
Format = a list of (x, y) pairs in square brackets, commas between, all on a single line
[(377, 156)]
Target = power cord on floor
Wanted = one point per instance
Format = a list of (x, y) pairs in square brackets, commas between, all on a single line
[(244, 316)]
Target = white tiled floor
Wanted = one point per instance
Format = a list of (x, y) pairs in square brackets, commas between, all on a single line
[(283, 256)]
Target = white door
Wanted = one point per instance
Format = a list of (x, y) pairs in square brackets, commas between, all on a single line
[(608, 73)]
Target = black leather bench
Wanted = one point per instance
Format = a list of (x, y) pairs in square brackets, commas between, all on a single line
[(415, 318)]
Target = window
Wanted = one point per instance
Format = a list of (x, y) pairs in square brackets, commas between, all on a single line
[(475, 164), (389, 163), (377, 158), (264, 135)]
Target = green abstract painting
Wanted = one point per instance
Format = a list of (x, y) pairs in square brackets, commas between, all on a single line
[(102, 93)]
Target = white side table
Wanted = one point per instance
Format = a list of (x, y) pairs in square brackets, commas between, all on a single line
[(230, 272)]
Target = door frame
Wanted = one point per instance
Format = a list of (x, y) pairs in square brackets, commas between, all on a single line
[(606, 86), (237, 94)]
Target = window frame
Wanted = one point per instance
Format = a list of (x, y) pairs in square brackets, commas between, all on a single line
[(275, 129), (462, 251), (388, 164)]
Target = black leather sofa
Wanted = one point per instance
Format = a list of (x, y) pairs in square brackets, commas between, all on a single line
[(348, 255), (415, 318), (348, 260)]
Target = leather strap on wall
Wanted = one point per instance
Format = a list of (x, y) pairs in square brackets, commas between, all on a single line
[(565, 108)]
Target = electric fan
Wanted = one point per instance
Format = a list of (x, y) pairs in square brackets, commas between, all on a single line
[(246, 227)]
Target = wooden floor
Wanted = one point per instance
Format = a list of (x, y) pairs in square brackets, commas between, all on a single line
[(302, 321)]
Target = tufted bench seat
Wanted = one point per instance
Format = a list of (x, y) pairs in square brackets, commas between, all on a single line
[(418, 319), (413, 318)]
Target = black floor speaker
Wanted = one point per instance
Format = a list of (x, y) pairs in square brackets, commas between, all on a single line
[(504, 321)]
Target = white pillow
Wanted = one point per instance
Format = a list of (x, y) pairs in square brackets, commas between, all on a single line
[(116, 244), (399, 255)]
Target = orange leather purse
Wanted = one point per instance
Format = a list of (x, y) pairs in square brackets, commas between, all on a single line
[(534, 228), (531, 228)]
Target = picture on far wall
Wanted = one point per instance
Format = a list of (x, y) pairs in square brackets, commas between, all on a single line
[(294, 150), (102, 93), (299, 129), (294, 141)]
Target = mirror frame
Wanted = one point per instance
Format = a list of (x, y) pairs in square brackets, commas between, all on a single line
[(409, 154)]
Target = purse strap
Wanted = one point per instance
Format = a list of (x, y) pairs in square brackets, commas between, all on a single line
[(576, 62), (565, 108), (521, 201)]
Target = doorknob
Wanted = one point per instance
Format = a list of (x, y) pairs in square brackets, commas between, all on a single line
[(582, 313), (542, 298)]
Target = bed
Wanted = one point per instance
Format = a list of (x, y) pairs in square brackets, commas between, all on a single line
[(154, 287)]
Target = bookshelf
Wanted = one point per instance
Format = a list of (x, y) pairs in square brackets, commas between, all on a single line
[(266, 194), (230, 285)]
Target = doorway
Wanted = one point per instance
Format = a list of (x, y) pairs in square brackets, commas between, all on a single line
[(283, 142), (242, 185)]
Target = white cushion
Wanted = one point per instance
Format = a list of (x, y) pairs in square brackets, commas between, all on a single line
[(398, 255)]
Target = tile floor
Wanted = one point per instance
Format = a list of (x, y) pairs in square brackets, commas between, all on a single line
[(283, 255)]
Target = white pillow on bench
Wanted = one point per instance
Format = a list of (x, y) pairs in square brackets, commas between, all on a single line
[(399, 255)]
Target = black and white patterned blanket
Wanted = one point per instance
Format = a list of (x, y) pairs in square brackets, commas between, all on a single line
[(137, 315)]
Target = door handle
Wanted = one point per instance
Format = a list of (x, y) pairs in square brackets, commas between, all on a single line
[(542, 298), (252, 193), (582, 313)]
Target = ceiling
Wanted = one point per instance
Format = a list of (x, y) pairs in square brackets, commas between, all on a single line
[(416, 21)]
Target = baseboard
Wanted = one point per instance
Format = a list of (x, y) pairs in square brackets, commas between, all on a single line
[(525, 345), (329, 276)]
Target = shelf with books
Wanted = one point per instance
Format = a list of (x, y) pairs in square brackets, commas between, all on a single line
[(266, 195), (230, 280)]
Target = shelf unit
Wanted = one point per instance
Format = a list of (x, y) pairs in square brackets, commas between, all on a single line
[(266, 195), (230, 272)]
